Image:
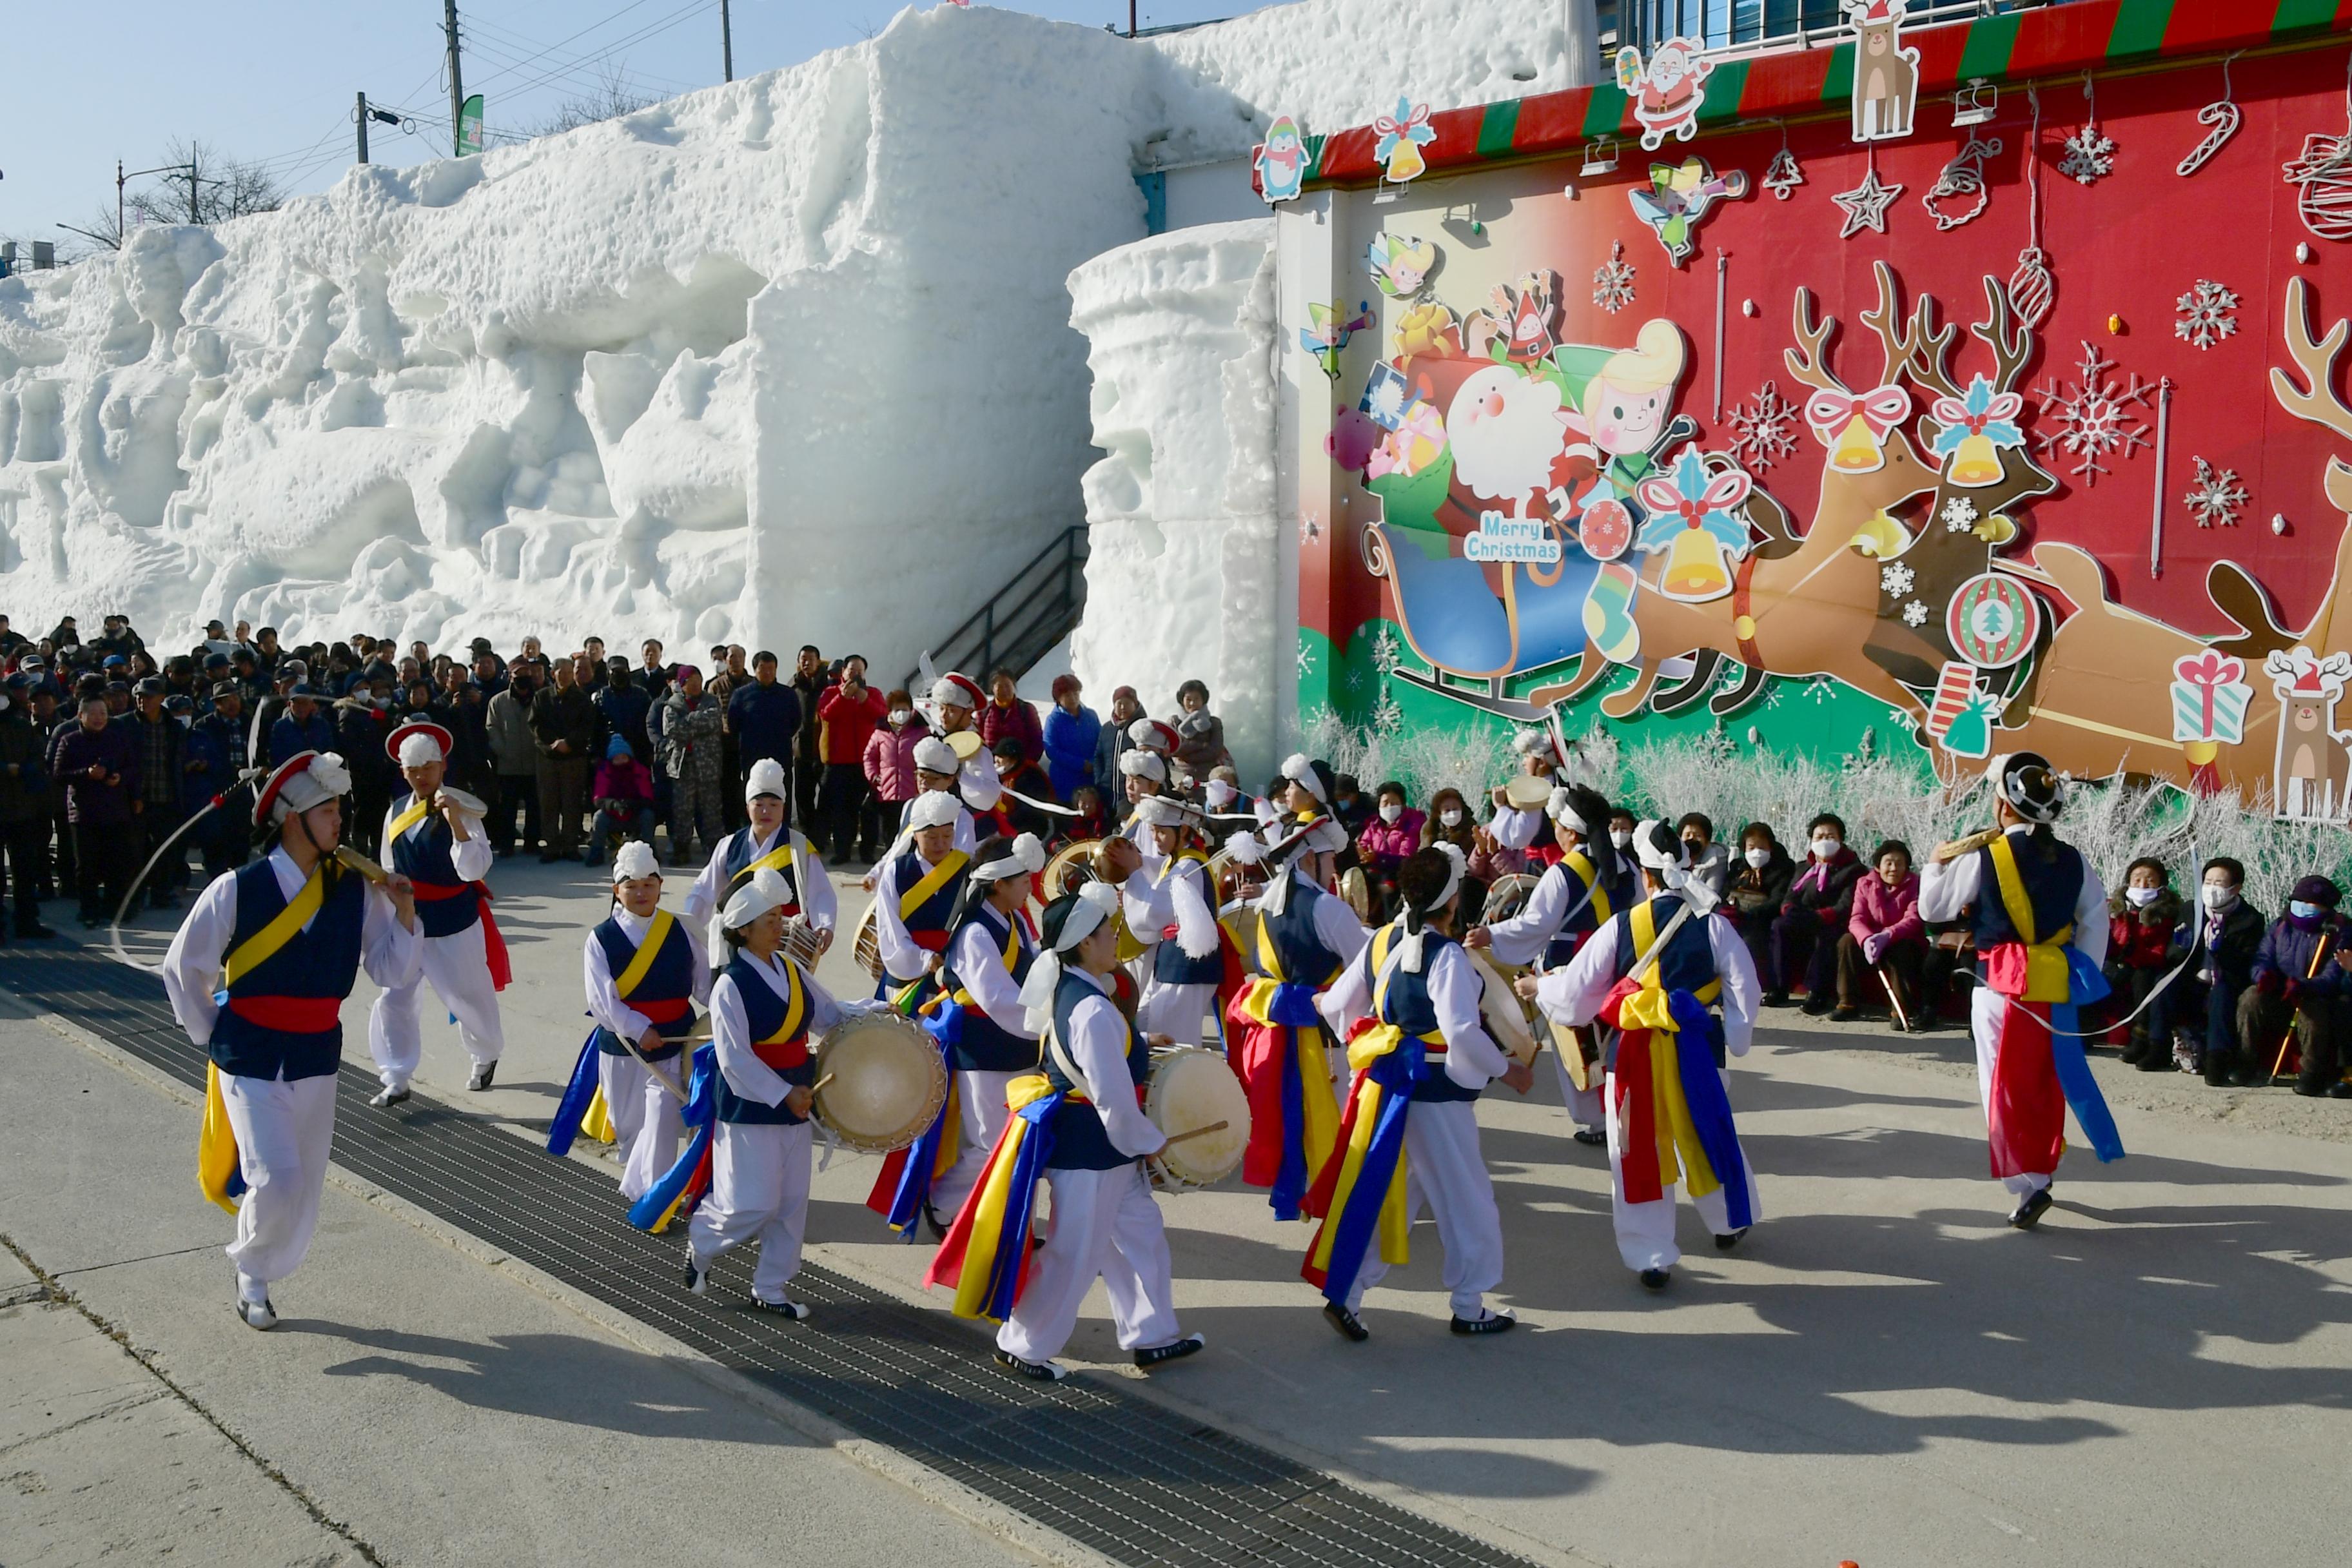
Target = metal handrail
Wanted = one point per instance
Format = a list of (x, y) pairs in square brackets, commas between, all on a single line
[(1012, 625)]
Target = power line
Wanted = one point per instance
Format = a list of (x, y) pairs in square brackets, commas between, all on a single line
[(659, 25), (506, 46), (592, 27)]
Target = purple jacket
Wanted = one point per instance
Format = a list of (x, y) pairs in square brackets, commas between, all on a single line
[(1879, 908), (116, 749)]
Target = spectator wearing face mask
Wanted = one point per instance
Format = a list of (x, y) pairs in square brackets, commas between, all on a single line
[(1221, 796), (1383, 843), (1884, 933), (1710, 861), (1626, 892), (890, 763), (1758, 888), (1819, 905), (2301, 975), (2142, 916), (2229, 932)]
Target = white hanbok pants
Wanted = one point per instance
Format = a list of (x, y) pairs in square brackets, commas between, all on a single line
[(1446, 1175), (979, 1107), (285, 1132), (1107, 1226), (459, 970), (1645, 1231), (759, 1191), (646, 1121), (1175, 1011), (1986, 1008)]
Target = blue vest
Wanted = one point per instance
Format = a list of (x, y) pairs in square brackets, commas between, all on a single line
[(1687, 964), (930, 917), (763, 1014), (422, 855), (982, 1045), (1584, 917), (1405, 1003), (2051, 886), (740, 855), (322, 961), (1081, 1142), (1171, 964), (668, 978), (1305, 961)]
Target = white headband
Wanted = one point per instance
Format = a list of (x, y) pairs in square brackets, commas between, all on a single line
[(934, 808), (1027, 856), (1565, 813), (635, 860), (1165, 811), (1299, 770), (1409, 951), (1646, 850), (766, 777), (766, 890), (1532, 742), (934, 755), (1097, 902)]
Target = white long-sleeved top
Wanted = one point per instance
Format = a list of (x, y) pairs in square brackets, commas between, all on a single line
[(604, 1004), (1559, 895), (389, 951), (819, 904), (1572, 995), (472, 856), (730, 1032), (1456, 991), (966, 839), (977, 960), (1175, 895), (1514, 828), (1098, 1044), (901, 958), (1946, 889), (979, 783)]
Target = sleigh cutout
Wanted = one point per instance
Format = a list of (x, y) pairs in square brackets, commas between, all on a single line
[(1479, 620)]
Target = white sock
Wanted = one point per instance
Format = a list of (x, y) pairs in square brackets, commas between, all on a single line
[(251, 1289)]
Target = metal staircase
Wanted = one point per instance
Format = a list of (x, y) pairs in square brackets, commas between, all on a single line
[(1022, 620)]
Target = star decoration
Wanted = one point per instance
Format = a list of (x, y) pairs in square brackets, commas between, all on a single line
[(1865, 206)]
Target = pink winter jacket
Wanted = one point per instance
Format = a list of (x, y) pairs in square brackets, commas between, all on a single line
[(890, 760), (1879, 908), (1386, 846)]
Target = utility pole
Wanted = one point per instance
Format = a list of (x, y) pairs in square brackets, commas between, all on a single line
[(195, 213), (382, 117), (457, 77), (726, 41), (363, 125), (1130, 18)]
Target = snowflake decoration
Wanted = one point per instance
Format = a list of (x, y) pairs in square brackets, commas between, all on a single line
[(1387, 651), (1960, 516), (1388, 717), (1612, 280), (2205, 314), (2217, 497), (1895, 578), (1821, 688), (1903, 719), (1305, 661), (2090, 155), (1310, 531), (2096, 419), (1356, 679), (1772, 698), (1764, 431), (1915, 614)]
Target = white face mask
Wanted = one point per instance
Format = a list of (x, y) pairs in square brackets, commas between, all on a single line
[(1451, 816), (1391, 811), (2218, 897), (1760, 858), (2143, 897), (1827, 848), (899, 716), (1622, 836)]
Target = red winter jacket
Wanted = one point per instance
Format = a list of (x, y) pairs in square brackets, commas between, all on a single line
[(846, 723)]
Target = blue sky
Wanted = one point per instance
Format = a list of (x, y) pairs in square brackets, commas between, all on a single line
[(83, 82)]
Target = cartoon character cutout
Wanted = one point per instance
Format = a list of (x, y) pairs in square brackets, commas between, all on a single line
[(1518, 324), (1329, 331), (1418, 440), (1402, 136), (1666, 93), (2312, 776), (1854, 424), (1508, 430), (1426, 328), (1973, 430), (1692, 523), (1679, 197), (1622, 401), (1281, 162), (1885, 74), (1400, 264)]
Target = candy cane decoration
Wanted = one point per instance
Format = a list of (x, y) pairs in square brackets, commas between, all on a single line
[(2223, 116)]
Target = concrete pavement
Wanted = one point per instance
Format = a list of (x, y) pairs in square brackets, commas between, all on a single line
[(1882, 1373)]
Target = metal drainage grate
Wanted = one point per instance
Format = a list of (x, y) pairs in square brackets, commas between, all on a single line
[(1134, 1482)]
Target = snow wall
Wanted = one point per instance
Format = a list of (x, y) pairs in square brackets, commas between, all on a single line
[(787, 360)]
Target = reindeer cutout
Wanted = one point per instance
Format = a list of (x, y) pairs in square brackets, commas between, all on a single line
[(2311, 777), (1885, 74)]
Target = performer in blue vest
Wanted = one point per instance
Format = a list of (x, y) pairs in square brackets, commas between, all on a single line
[(1078, 1127), (763, 1008), (914, 893), (766, 844), (645, 971), (1172, 909), (2041, 939), (434, 837), (1651, 971), (1571, 899), (257, 975), (988, 958)]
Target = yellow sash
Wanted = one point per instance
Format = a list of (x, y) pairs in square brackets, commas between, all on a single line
[(262, 945), (216, 1156), (657, 933), (1642, 920), (1012, 950), (1581, 868), (410, 816), (787, 853), (795, 1006), (1679, 1153), (916, 897), (2046, 975)]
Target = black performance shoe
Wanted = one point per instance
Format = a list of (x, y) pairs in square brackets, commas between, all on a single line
[(1814, 1006), (1591, 1137), (37, 932), (931, 1218), (1492, 1323), (482, 1076), (1775, 999), (1035, 1371), (2028, 1214), (797, 1312), (1655, 1279), (1161, 1354), (1727, 1242), (256, 1314), (1349, 1326), (385, 1098)]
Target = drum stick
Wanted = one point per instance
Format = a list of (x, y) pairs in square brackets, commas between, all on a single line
[(1199, 1131), (647, 1062), (818, 1086)]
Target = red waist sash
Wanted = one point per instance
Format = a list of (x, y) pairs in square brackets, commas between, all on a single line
[(783, 1055), (929, 940), (289, 1015), (663, 1009), (494, 945)]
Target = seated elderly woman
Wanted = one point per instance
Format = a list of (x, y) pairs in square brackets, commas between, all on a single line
[(1884, 933), (625, 800)]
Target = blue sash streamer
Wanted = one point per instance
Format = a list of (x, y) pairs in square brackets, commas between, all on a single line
[(1697, 1033), (1292, 1008), (578, 1095), (1005, 1262), (682, 1187), (1358, 1214), (2086, 984), (921, 1157)]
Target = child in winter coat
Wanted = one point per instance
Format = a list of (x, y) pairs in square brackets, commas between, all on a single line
[(2142, 916), (890, 763)]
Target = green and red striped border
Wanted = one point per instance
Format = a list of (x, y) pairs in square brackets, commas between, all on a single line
[(2081, 35)]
